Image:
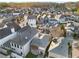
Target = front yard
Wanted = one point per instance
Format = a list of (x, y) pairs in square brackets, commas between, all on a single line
[(30, 55)]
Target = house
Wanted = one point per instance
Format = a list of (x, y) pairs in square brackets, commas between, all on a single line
[(5, 35), (64, 18), (20, 44), (16, 14), (31, 21), (60, 51), (8, 32), (57, 16), (52, 22), (75, 47), (40, 43), (70, 28), (42, 19)]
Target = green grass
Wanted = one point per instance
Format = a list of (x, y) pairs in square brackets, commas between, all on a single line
[(30, 55)]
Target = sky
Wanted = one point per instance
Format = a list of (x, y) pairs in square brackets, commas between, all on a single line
[(59, 1)]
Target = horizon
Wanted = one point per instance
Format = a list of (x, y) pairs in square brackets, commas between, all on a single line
[(25, 1)]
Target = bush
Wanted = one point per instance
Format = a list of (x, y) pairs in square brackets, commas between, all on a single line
[(75, 36)]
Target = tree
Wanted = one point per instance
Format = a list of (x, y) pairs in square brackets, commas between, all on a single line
[(75, 36), (9, 52), (74, 10), (69, 50), (77, 10), (47, 48), (64, 30), (2, 5)]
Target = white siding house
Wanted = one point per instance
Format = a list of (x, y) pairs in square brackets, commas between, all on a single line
[(21, 50), (20, 44), (31, 21), (26, 48)]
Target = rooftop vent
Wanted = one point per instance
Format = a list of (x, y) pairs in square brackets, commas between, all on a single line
[(26, 38), (12, 30)]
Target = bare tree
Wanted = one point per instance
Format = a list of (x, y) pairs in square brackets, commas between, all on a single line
[(47, 48)]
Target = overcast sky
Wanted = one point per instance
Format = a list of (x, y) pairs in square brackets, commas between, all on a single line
[(38, 1)]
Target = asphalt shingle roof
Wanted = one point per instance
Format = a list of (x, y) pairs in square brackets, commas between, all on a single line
[(22, 33), (62, 49), (41, 42), (4, 32)]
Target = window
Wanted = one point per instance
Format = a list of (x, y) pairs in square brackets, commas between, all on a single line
[(21, 53), (21, 47), (12, 44), (17, 46), (31, 24)]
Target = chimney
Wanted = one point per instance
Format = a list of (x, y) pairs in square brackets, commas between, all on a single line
[(12, 30)]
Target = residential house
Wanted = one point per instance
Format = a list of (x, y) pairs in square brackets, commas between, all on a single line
[(75, 47), (5, 35), (40, 43), (60, 51), (52, 22), (64, 18), (31, 21), (8, 32), (70, 28), (20, 44)]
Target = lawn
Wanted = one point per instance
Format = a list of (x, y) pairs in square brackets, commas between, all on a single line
[(30, 55)]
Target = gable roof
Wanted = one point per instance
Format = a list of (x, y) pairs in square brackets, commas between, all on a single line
[(14, 25), (41, 42), (22, 33), (62, 49), (31, 17)]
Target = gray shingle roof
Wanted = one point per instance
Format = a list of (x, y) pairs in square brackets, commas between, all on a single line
[(41, 42), (7, 44), (31, 17), (14, 25), (2, 25), (62, 49), (22, 33), (4, 32)]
